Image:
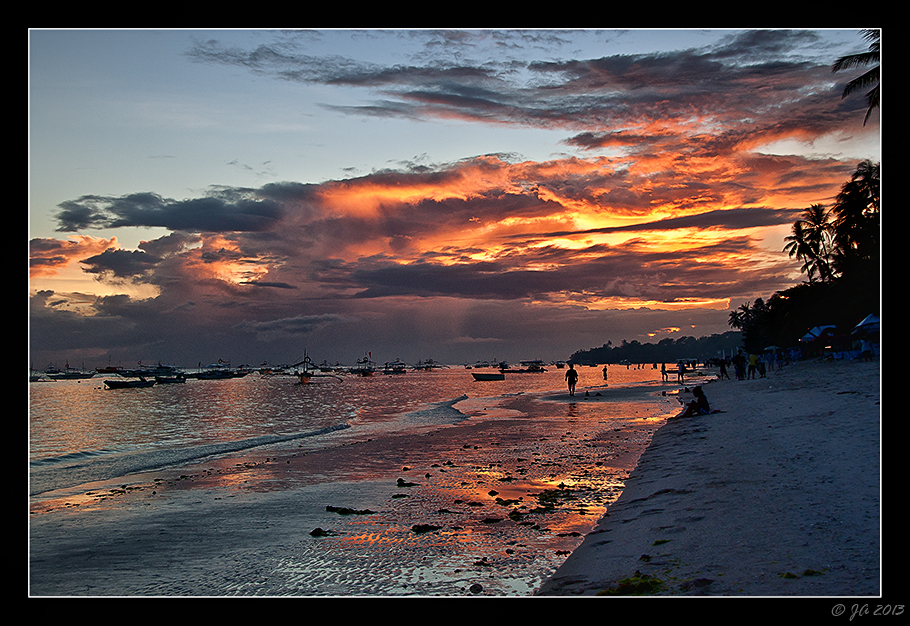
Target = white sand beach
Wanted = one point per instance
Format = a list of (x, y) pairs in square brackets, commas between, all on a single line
[(777, 495)]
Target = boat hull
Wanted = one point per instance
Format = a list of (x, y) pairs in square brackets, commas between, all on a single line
[(128, 384)]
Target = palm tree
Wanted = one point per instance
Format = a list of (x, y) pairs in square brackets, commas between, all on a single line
[(871, 77), (856, 215), (799, 246), (818, 232)]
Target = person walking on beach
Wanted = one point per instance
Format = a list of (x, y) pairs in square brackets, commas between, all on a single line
[(571, 378), (723, 370), (605, 373), (753, 362)]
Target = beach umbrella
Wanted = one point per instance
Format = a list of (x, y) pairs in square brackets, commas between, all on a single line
[(871, 323)]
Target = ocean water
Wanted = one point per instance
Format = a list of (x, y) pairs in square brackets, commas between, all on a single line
[(82, 434)]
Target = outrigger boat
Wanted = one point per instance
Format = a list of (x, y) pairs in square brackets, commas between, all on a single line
[(364, 366), (307, 374)]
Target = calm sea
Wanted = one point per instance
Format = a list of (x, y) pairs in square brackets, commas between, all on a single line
[(80, 432)]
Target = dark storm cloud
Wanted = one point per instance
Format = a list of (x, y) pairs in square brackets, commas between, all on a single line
[(629, 270), (216, 213), (121, 263), (288, 327)]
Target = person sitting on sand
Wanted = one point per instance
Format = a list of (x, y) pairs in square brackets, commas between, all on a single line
[(699, 406)]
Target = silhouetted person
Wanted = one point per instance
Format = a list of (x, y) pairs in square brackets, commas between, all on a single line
[(571, 378), (698, 406)]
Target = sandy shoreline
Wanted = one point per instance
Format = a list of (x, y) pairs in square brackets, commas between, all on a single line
[(779, 495), (241, 526)]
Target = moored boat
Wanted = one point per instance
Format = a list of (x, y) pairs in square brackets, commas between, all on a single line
[(488, 375), (128, 383), (179, 378), (69, 373)]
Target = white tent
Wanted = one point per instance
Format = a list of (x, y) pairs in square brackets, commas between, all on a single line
[(815, 333)]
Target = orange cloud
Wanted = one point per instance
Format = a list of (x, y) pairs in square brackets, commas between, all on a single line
[(48, 257)]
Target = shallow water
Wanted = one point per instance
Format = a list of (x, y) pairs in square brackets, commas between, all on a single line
[(534, 439)]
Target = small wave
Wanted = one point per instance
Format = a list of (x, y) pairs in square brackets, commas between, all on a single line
[(437, 413), (72, 456), (82, 467)]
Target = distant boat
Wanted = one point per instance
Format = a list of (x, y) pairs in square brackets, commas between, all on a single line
[(220, 374), (528, 367), (70, 373), (128, 384), (364, 366), (179, 378), (488, 375), (157, 370), (395, 367), (428, 365), (308, 372)]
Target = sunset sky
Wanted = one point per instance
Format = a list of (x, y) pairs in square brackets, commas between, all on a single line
[(248, 195)]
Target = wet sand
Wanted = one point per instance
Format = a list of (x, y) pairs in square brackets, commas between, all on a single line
[(778, 495), (487, 507)]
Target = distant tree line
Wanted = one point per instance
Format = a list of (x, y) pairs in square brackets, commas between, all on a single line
[(664, 351)]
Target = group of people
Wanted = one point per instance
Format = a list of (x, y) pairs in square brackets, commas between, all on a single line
[(698, 406), (747, 366)]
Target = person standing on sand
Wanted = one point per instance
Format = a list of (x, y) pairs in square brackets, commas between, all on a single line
[(571, 378)]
